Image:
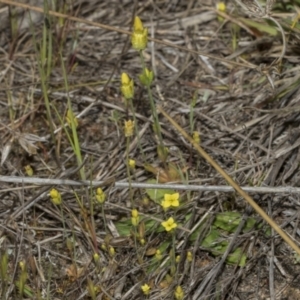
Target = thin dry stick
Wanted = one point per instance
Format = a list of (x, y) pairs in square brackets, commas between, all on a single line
[(254, 205)]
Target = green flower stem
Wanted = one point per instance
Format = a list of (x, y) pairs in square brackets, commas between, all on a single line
[(173, 257), (153, 109), (136, 128), (128, 171)]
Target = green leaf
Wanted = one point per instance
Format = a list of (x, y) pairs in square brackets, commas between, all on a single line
[(124, 227), (157, 195), (211, 239), (230, 220), (237, 258), (261, 27)]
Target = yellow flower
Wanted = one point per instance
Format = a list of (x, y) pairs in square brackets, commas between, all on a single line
[(71, 118), (189, 256), (179, 294), (170, 200), (128, 128), (131, 163), (142, 241), (111, 251), (29, 170), (127, 86), (96, 257), (135, 217), (134, 213), (55, 197), (146, 77), (169, 224), (100, 196), (139, 36), (177, 259), (196, 137), (146, 289), (221, 6)]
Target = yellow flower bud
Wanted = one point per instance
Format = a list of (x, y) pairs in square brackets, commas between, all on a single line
[(179, 294), (134, 213), (111, 251), (135, 217), (146, 289), (71, 118), (128, 128), (96, 257), (146, 77), (196, 137), (127, 86), (131, 163), (135, 221), (221, 6), (100, 196), (189, 256), (139, 36), (29, 170), (55, 197)]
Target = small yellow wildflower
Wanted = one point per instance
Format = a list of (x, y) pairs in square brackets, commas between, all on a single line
[(170, 200), (135, 217), (69, 117), (96, 257), (22, 265), (29, 170), (179, 294), (142, 242), (55, 197), (189, 256), (221, 6), (139, 36), (111, 251), (134, 213), (146, 77), (169, 224), (131, 163), (146, 289), (127, 86), (177, 259), (196, 137), (100, 196), (128, 128)]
